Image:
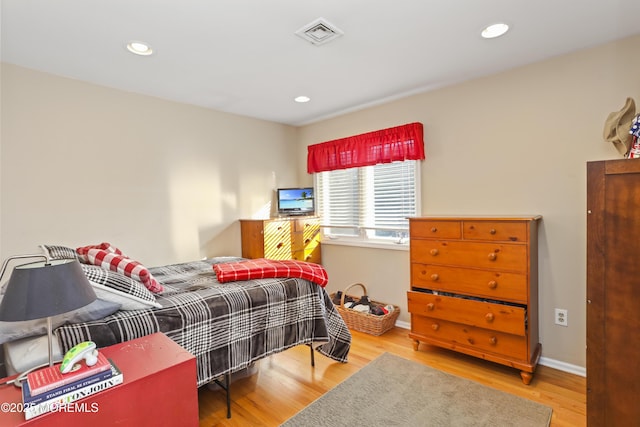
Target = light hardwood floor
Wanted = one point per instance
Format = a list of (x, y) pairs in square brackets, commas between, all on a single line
[(285, 383)]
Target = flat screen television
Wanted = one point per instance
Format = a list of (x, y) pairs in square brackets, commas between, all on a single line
[(296, 201)]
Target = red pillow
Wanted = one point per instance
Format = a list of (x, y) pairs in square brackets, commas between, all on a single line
[(105, 246), (124, 265)]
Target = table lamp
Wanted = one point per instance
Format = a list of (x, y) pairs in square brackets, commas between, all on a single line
[(44, 289)]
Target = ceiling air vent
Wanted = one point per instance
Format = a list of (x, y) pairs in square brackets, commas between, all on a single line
[(319, 32)]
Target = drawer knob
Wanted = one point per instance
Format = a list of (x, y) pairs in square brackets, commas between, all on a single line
[(307, 241), (434, 229), (434, 252), (435, 277), (435, 326), (493, 340), (489, 317), (492, 231), (430, 306), (492, 284), (492, 256), (279, 245)]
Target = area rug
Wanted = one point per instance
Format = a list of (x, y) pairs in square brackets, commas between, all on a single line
[(393, 391)]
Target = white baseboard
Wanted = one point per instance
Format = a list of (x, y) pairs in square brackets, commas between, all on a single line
[(403, 325), (545, 361), (564, 366)]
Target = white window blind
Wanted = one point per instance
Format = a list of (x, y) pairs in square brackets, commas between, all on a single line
[(369, 203)]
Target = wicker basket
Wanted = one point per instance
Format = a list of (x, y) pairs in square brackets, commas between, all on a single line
[(366, 322)]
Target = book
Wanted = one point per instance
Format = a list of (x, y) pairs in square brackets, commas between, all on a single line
[(65, 401), (50, 378), (28, 397)]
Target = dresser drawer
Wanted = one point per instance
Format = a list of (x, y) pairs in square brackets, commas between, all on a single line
[(499, 256), (309, 254), (309, 242), (277, 229), (506, 231), (481, 283), (433, 229), (277, 240), (307, 225), (305, 233), (309, 251), (452, 335), (496, 317), (278, 251)]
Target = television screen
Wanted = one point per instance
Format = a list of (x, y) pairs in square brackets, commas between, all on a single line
[(296, 201)]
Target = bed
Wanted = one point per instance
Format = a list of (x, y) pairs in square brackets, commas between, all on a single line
[(226, 326)]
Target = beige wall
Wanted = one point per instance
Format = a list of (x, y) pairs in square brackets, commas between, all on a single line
[(164, 181), (512, 143)]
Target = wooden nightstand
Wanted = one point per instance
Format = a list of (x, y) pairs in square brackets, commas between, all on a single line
[(159, 389)]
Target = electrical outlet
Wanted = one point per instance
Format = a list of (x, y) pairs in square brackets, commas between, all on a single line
[(561, 317)]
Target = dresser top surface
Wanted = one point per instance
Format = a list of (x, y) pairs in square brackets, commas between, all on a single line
[(478, 218), (282, 218)]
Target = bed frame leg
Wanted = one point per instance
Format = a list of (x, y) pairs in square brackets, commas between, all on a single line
[(227, 379), (227, 388), (313, 358)]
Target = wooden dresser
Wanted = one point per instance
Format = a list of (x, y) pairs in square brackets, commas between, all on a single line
[(282, 238), (613, 293), (474, 287)]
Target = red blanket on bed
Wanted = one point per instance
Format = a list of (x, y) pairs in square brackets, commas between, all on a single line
[(262, 268)]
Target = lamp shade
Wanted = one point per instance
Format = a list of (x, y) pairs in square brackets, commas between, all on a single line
[(40, 289)]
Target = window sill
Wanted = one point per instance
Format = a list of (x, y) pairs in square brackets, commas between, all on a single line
[(364, 244)]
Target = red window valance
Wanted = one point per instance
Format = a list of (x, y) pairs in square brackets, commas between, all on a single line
[(382, 146)]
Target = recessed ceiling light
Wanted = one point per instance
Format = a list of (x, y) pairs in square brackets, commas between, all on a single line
[(302, 99), (495, 30), (139, 48)]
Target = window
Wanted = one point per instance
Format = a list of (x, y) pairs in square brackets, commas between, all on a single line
[(370, 203), (366, 185)]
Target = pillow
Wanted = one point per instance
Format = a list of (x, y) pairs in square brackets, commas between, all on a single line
[(98, 309), (105, 246), (118, 288), (124, 265), (60, 252)]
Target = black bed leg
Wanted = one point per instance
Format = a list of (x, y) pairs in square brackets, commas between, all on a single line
[(313, 358), (227, 380), (227, 388)]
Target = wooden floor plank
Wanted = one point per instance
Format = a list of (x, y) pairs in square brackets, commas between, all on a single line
[(285, 383)]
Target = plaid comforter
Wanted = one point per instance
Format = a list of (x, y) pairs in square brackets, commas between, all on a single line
[(225, 326)]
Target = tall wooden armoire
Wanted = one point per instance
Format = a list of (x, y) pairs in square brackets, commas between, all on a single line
[(613, 293)]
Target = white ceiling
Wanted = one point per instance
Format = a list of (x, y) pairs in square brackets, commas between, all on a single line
[(242, 56)]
